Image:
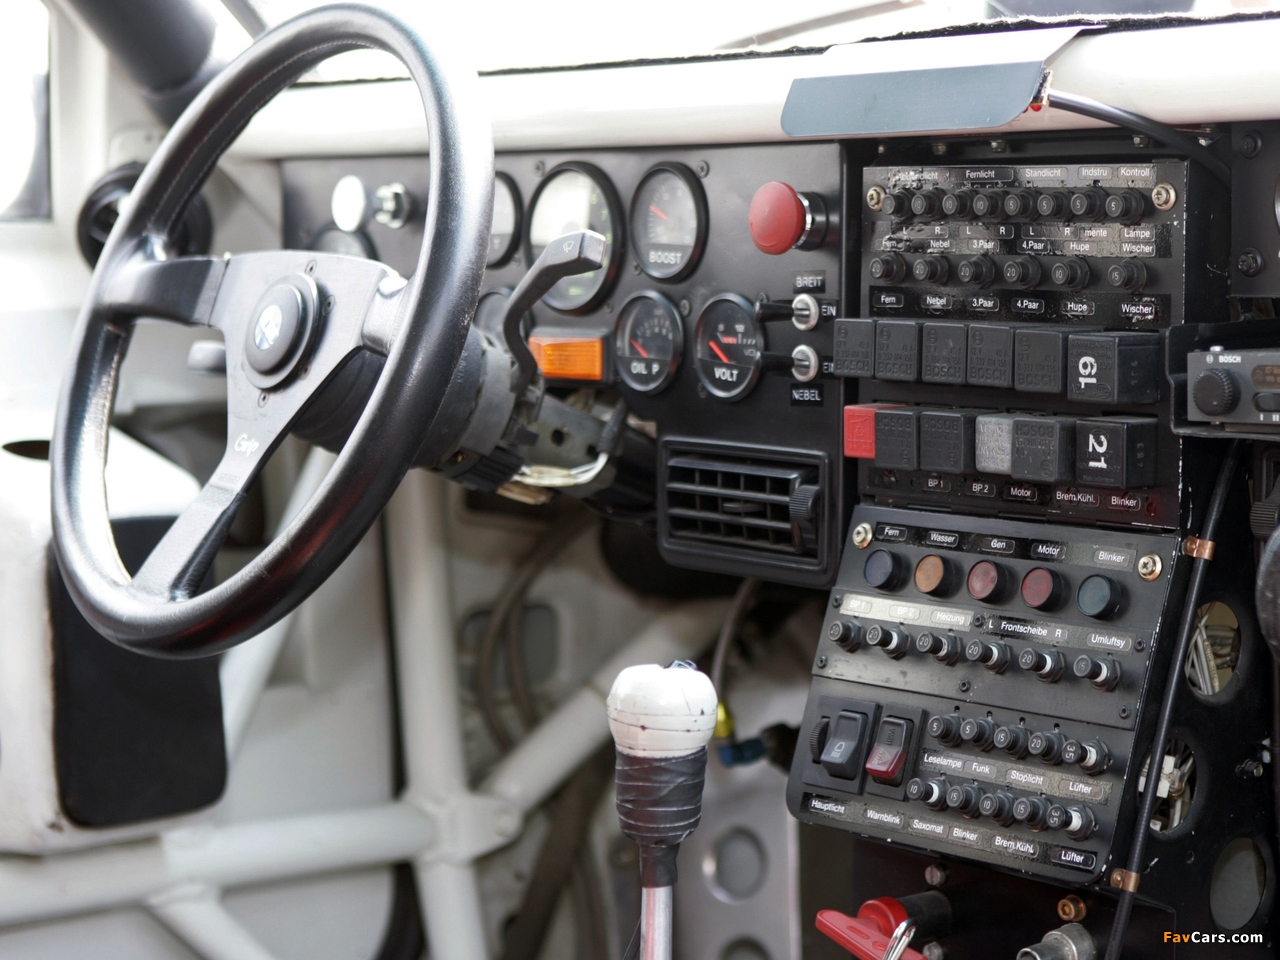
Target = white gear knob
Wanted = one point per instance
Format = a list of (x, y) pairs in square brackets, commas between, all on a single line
[(657, 711)]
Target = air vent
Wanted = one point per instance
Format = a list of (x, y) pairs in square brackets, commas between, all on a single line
[(741, 510)]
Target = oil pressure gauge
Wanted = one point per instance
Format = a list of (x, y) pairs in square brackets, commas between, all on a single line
[(648, 342), (729, 346)]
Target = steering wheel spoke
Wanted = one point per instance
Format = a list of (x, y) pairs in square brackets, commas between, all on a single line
[(183, 289)]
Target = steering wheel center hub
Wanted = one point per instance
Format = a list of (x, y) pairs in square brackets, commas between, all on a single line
[(282, 324)]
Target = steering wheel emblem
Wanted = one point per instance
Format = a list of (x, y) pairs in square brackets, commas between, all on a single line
[(267, 330)]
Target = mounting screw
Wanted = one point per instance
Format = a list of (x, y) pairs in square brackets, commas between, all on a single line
[(1117, 877), (822, 662), (939, 149), (1124, 713), (978, 620), (311, 267), (1142, 142), (1149, 567), (965, 685), (635, 268), (539, 168), (1071, 908), (935, 874), (328, 304), (874, 196), (880, 148), (862, 536), (686, 308), (1139, 645), (703, 168), (836, 600), (262, 399), (999, 146), (1250, 262), (1251, 145), (1163, 196)]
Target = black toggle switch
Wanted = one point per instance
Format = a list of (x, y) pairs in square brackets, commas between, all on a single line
[(842, 752), (1104, 674), (1012, 740), (846, 634)]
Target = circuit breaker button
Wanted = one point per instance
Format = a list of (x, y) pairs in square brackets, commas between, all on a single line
[(842, 753), (889, 751)]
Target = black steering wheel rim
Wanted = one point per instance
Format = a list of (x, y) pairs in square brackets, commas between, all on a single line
[(435, 309)]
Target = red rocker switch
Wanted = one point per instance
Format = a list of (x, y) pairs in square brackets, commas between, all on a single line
[(889, 751)]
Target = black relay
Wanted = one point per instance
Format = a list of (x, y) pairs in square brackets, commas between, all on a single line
[(1118, 452), (990, 361), (942, 353), (897, 440), (1039, 360), (1043, 449), (1114, 367), (854, 352), (947, 441), (897, 350)]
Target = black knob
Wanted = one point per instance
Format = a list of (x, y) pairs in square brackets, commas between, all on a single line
[(1103, 674), (1095, 759), (927, 204), (965, 798), (989, 205), (1055, 205), (1080, 822), (978, 731), (1021, 205), (931, 269), (1032, 811), (883, 570), (1022, 272), (1099, 597), (846, 633), (958, 204), (888, 268), (892, 640), (945, 648), (897, 204), (1047, 666), (979, 270), (1012, 740), (1047, 746), (1216, 392), (1128, 274), (1073, 273), (1090, 204), (818, 738), (1125, 206), (945, 728), (997, 806), (992, 654)]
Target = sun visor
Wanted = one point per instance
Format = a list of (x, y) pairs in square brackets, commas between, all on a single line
[(924, 85)]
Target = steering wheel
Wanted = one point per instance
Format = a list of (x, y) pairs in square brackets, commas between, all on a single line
[(292, 321)]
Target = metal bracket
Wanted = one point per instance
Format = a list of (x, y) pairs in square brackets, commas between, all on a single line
[(1200, 549), (1125, 880)]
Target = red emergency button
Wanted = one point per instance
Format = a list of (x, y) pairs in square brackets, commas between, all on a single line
[(889, 751), (776, 217), (860, 429)]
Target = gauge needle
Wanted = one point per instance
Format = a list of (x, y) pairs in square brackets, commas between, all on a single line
[(719, 353), (657, 211), (642, 350)]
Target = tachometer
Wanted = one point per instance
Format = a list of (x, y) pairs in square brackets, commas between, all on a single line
[(575, 197), (648, 342), (668, 221), (729, 346), (506, 220)]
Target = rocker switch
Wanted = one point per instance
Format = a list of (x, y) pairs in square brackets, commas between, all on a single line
[(889, 751), (842, 754)]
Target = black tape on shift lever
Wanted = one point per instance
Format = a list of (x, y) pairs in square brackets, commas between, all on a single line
[(659, 804)]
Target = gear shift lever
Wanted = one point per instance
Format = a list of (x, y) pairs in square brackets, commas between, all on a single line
[(662, 719)]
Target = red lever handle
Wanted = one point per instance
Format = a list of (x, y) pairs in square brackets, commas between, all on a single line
[(863, 935)]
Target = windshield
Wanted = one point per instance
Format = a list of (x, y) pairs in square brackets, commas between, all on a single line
[(519, 34)]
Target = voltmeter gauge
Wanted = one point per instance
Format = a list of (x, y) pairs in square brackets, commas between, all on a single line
[(668, 221), (728, 346), (574, 197), (648, 342), (505, 231)]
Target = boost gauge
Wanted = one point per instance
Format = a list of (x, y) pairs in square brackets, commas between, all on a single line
[(648, 342), (669, 221), (729, 346)]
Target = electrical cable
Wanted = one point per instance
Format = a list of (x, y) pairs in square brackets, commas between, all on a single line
[(510, 600), (1199, 571), (729, 631), (1191, 147)]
